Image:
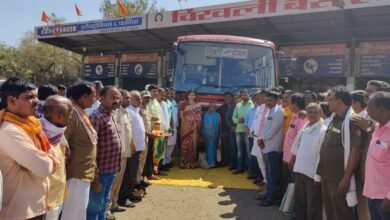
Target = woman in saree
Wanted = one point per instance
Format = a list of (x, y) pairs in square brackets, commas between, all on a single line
[(191, 118)]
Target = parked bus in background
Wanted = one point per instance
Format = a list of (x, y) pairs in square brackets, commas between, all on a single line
[(215, 64)]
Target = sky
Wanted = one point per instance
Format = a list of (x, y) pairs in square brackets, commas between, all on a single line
[(19, 16)]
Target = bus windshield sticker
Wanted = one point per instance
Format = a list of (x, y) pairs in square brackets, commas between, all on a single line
[(220, 52)]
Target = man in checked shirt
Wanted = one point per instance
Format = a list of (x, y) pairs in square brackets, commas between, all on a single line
[(108, 152)]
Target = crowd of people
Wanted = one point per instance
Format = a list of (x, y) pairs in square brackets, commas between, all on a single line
[(332, 146), (88, 151)]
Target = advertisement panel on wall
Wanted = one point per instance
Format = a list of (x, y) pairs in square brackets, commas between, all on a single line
[(314, 60), (373, 58), (91, 27), (252, 9), (139, 65), (99, 66)]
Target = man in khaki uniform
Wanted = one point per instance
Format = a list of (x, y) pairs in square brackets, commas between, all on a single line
[(335, 178)]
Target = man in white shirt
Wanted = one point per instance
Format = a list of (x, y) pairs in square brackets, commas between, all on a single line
[(165, 126), (124, 122), (98, 87), (174, 121), (270, 141), (358, 103), (305, 153), (138, 134)]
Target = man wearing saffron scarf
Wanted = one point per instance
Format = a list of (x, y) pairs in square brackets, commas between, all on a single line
[(56, 114), (24, 158)]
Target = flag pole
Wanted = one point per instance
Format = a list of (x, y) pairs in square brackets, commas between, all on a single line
[(179, 3)]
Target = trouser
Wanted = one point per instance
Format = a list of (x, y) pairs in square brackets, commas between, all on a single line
[(261, 162), (335, 204), (168, 154), (242, 150), (362, 207), (308, 198), (285, 177), (148, 167), (129, 178), (233, 150), (54, 213), (170, 147), (116, 186), (272, 173), (142, 160), (376, 213), (225, 148), (253, 166), (98, 201), (76, 203)]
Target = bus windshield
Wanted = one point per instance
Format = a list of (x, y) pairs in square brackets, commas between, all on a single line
[(216, 67)]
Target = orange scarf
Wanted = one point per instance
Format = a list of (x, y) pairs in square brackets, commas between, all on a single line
[(32, 126)]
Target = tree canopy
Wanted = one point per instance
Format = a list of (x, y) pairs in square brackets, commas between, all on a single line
[(39, 62)]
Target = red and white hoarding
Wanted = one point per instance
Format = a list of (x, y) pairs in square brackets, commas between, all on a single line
[(253, 9)]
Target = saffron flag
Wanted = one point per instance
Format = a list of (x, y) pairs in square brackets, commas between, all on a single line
[(122, 8), (45, 17), (78, 10)]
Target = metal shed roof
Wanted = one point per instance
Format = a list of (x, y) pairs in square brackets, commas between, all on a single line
[(336, 24)]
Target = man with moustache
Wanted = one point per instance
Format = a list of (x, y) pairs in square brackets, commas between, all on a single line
[(174, 122), (270, 142), (165, 126), (141, 178), (339, 158), (154, 109), (138, 133), (124, 122), (305, 151), (81, 157), (243, 150), (109, 149), (98, 87), (56, 114), (367, 125), (225, 129), (25, 160), (376, 186)]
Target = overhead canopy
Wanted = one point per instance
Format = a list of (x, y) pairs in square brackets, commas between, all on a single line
[(286, 22)]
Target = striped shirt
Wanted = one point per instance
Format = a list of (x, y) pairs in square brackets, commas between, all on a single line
[(109, 143)]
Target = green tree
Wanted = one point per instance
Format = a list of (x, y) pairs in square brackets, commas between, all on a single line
[(39, 62), (10, 62), (48, 63), (134, 7)]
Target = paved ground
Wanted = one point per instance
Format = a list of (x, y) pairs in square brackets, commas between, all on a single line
[(173, 202)]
